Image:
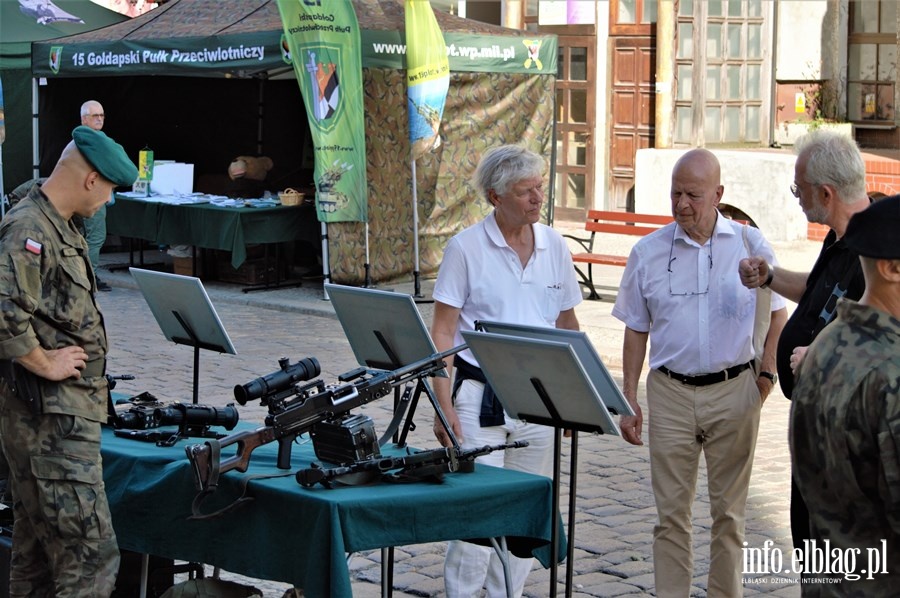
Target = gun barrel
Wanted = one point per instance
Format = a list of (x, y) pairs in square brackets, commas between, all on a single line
[(436, 361)]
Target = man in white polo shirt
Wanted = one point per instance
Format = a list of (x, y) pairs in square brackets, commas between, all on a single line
[(509, 268)]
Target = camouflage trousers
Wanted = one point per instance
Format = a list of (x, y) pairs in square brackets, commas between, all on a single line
[(63, 539)]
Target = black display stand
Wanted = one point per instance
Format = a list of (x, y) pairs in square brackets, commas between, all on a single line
[(544, 382), (386, 331), (184, 313), (593, 366)]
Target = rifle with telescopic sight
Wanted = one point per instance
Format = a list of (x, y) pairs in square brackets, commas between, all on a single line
[(295, 409)]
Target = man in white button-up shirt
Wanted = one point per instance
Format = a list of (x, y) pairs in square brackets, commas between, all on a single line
[(682, 291)]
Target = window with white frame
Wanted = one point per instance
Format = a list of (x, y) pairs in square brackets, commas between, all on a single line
[(722, 78)]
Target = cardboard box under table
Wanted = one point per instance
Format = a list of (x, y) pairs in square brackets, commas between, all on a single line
[(302, 536)]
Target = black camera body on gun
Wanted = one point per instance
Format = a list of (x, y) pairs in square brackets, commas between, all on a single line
[(145, 413)]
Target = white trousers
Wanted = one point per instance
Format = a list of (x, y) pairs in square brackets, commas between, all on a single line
[(468, 567)]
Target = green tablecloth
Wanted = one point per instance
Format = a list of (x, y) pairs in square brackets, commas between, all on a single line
[(211, 227), (301, 536)]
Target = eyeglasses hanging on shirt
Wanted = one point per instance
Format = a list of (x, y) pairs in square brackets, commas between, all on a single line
[(685, 282)]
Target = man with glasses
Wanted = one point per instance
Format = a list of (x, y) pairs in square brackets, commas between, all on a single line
[(681, 291), (95, 227), (845, 418), (830, 182)]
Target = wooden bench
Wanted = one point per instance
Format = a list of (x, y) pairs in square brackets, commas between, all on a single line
[(615, 223)]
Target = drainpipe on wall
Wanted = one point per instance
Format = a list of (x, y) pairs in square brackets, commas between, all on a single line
[(665, 79)]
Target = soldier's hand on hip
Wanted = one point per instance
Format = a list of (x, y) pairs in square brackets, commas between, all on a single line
[(66, 362)]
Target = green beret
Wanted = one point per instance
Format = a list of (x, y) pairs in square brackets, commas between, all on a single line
[(105, 155), (875, 232)]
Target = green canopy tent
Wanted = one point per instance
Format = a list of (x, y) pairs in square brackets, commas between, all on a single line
[(197, 67), (23, 22)]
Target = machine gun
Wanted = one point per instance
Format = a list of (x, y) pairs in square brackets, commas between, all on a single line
[(145, 413), (420, 465), (294, 410)]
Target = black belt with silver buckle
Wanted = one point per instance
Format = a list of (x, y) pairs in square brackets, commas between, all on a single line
[(705, 379)]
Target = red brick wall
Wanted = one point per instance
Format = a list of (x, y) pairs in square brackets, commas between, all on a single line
[(816, 232), (882, 172)]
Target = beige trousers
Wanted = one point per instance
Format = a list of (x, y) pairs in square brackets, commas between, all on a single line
[(721, 420)]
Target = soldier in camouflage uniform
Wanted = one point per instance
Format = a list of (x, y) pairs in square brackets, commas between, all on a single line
[(53, 393), (845, 420)]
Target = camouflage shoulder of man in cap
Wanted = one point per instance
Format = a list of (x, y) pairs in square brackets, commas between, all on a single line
[(847, 403)]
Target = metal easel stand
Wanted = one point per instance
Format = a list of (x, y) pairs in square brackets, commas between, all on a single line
[(559, 395), (372, 344)]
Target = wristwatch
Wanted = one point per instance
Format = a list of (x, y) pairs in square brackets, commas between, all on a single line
[(770, 376), (769, 278)]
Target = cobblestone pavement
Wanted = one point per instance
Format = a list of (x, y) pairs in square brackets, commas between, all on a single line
[(615, 512)]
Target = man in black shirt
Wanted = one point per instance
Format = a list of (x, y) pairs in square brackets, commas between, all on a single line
[(830, 182)]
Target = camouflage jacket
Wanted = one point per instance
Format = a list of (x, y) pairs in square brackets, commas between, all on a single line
[(845, 443), (47, 299)]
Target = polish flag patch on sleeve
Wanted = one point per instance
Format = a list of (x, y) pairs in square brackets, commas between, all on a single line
[(33, 246)]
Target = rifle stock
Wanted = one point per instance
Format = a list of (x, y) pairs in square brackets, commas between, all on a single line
[(205, 458), (297, 415)]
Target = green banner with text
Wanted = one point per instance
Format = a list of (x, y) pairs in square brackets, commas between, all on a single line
[(323, 42), (244, 54)]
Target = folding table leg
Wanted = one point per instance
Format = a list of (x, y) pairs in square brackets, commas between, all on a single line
[(387, 571), (503, 552), (145, 573)]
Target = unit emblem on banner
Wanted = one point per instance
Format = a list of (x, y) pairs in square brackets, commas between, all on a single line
[(534, 53), (322, 67), (55, 58)]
